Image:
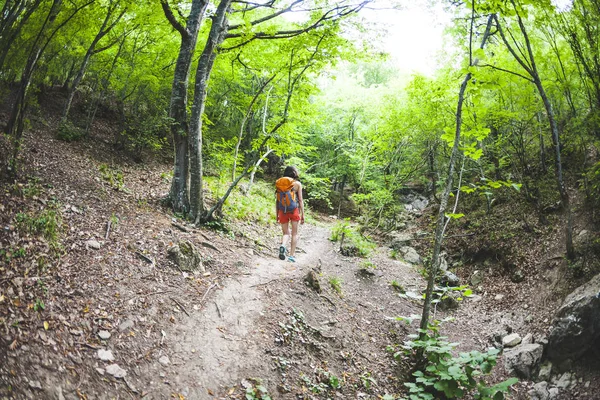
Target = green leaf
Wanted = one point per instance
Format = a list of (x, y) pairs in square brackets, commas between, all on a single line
[(454, 216)]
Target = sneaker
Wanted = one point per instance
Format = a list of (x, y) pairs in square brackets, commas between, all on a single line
[(282, 252), (291, 259)]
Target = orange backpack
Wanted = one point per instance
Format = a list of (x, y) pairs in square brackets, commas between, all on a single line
[(286, 197)]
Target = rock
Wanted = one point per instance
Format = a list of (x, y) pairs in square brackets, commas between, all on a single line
[(523, 360), (582, 240), (101, 371), (476, 278), (312, 280), (564, 381), (443, 262), (35, 385), (545, 371), (553, 393), (93, 244), (164, 361), (528, 339), (540, 391), (186, 256), (105, 355), (511, 340), (104, 335), (59, 393), (448, 303), (410, 255), (517, 276), (576, 326), (400, 239), (127, 324), (116, 371), (420, 204), (498, 297), (449, 279)]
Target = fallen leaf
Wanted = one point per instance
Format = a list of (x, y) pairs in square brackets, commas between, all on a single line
[(1, 298), (172, 319), (13, 345), (86, 309), (46, 325)]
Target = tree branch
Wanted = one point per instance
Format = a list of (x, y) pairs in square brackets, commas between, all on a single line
[(507, 71), (172, 20)]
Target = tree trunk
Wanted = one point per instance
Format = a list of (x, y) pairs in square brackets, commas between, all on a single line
[(104, 29), (178, 197), (8, 32), (17, 116), (439, 230), (205, 64)]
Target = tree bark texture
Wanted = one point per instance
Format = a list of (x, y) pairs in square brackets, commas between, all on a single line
[(216, 36), (178, 196), (439, 230)]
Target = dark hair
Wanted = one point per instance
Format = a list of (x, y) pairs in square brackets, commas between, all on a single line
[(291, 172)]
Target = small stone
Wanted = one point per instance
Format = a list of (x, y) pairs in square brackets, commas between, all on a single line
[(545, 371), (499, 297), (312, 280), (104, 335), (587, 384), (164, 360), (93, 244), (564, 381), (528, 339), (35, 385), (105, 355), (476, 278), (128, 324), (100, 371), (511, 340), (116, 371)]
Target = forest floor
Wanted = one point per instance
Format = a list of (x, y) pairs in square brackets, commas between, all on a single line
[(107, 316)]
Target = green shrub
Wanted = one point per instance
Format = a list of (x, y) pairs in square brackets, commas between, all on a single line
[(336, 284), (444, 375), (47, 223), (354, 243), (69, 133), (113, 176)]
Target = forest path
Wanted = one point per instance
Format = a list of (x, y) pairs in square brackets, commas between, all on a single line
[(211, 349)]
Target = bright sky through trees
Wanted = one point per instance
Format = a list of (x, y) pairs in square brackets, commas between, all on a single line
[(414, 34)]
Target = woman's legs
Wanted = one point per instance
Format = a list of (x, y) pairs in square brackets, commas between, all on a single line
[(286, 234), (294, 237)]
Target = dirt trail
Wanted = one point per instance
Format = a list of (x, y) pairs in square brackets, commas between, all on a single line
[(211, 350)]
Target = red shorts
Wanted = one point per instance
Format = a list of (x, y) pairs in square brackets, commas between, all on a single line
[(284, 218)]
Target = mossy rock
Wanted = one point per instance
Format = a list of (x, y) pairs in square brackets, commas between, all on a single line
[(186, 256)]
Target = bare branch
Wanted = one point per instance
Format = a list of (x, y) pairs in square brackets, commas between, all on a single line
[(507, 71)]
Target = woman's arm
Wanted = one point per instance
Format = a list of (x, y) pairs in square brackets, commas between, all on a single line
[(300, 201)]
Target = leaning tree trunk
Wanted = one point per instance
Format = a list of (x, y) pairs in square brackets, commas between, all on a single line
[(564, 195), (17, 116), (439, 230), (104, 29), (8, 33), (178, 194), (205, 64)]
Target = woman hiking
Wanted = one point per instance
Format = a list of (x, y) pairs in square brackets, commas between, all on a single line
[(289, 208)]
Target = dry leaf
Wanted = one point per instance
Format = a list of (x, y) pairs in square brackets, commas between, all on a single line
[(13, 345), (86, 309), (172, 319), (1, 298), (46, 325), (17, 302)]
